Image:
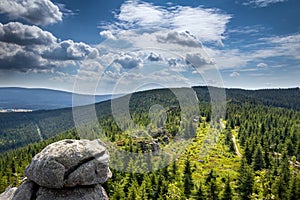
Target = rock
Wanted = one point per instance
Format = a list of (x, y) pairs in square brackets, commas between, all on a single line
[(8, 193), (155, 148), (95, 192), (70, 163), (65, 170), (26, 191)]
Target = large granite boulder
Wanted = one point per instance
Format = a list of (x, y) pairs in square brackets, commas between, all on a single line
[(95, 192), (70, 163), (65, 170)]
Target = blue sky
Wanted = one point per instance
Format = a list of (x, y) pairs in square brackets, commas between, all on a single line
[(124, 46)]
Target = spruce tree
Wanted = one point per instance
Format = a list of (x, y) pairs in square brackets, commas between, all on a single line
[(200, 194), (245, 181), (227, 195), (212, 186), (188, 183), (258, 162), (284, 176), (294, 193), (248, 154)]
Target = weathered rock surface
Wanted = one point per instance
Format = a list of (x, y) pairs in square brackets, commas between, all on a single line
[(26, 191), (8, 193), (69, 163), (78, 193), (65, 170)]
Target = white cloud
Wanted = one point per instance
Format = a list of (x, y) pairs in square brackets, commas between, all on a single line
[(262, 3), (198, 60), (154, 57), (17, 33), (129, 61), (234, 74), (108, 35), (229, 58), (287, 46), (40, 12), (149, 38), (181, 38), (142, 14), (177, 64), (260, 52), (69, 50), (181, 29), (169, 32), (29, 48), (262, 65), (13, 57), (207, 25)]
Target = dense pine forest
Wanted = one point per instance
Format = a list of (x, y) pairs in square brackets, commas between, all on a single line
[(256, 154)]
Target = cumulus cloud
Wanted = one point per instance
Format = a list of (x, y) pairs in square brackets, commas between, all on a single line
[(69, 50), (177, 64), (198, 60), (174, 61), (154, 57), (183, 38), (40, 12), (29, 48), (171, 32), (17, 33), (107, 34), (14, 57), (234, 74), (129, 61), (262, 3)]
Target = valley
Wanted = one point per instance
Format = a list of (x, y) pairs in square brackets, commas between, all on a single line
[(248, 158)]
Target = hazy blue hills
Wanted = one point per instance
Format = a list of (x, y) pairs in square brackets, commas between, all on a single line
[(40, 99)]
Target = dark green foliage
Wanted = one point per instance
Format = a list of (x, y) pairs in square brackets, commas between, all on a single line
[(200, 194), (294, 193), (281, 186), (227, 194), (245, 181), (188, 182), (268, 136), (248, 153), (258, 162), (228, 141), (211, 183)]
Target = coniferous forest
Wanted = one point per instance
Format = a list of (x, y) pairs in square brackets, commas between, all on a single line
[(255, 155)]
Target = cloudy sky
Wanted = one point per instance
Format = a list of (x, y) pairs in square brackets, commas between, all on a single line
[(122, 46)]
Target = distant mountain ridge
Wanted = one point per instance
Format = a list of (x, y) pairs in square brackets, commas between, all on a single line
[(19, 129), (27, 99)]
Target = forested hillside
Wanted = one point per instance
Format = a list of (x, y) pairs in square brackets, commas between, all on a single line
[(19, 129), (256, 155)]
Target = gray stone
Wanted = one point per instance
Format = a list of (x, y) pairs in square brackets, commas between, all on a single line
[(155, 148), (70, 163), (26, 191), (95, 192), (8, 193)]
